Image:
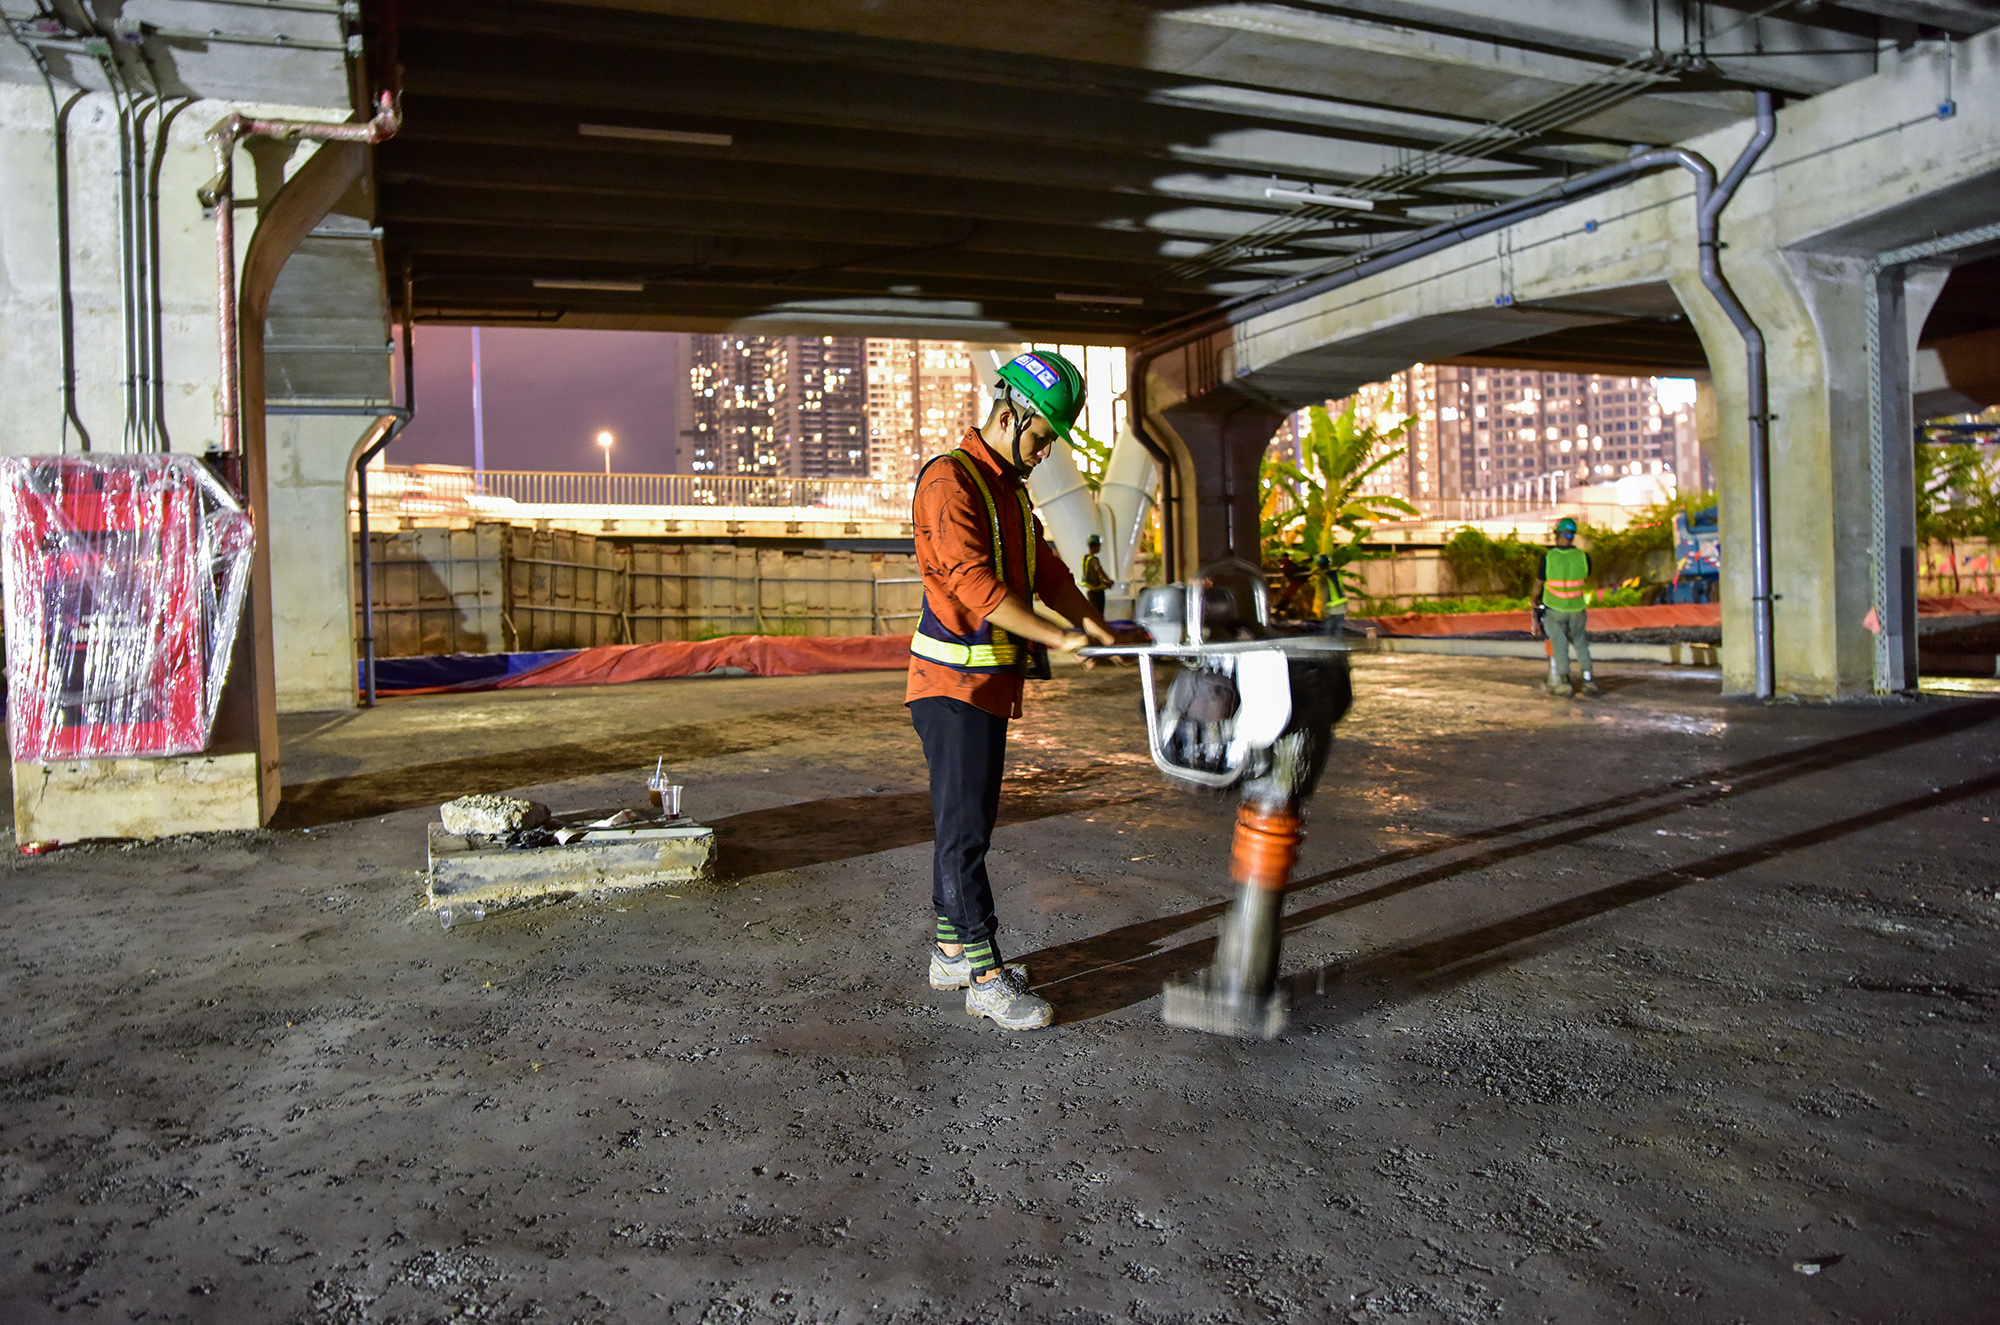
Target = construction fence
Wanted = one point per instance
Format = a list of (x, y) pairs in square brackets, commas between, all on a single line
[(499, 588)]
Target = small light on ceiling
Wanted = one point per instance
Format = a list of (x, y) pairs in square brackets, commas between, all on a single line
[(581, 283), (1310, 199), (636, 134), (1123, 300)]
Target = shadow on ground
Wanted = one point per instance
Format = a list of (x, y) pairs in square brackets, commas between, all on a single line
[(1122, 967), (339, 799)]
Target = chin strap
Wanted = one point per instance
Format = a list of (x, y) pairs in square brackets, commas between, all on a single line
[(1024, 419)]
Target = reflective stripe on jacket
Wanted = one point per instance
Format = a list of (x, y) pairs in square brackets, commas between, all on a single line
[(988, 649), (1566, 579)]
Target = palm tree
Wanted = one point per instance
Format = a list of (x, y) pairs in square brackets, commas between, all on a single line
[(1316, 507)]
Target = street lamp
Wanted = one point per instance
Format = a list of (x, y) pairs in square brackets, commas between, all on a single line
[(604, 439)]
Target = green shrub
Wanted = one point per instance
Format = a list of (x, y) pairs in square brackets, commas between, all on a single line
[(1505, 566)]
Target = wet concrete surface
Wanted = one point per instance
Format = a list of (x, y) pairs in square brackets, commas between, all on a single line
[(1637, 1009)]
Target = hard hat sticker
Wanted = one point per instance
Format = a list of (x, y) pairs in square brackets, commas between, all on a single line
[(1038, 370)]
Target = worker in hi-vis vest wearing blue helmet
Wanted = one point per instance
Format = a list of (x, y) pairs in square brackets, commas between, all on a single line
[(1562, 591)]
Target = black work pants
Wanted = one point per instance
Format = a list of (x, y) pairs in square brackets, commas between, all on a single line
[(965, 747)]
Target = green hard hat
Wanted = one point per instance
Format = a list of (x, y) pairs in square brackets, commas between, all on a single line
[(1051, 386), (1566, 526)]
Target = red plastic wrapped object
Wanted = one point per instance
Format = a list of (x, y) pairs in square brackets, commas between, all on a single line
[(125, 578)]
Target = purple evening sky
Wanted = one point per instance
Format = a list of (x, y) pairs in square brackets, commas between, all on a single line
[(548, 393)]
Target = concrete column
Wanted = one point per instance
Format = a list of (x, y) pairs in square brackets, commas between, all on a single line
[(1225, 441), (234, 784), (1707, 432), (1812, 313), (309, 483)]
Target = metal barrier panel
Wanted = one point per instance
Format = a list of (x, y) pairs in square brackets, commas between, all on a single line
[(427, 490), (499, 588)]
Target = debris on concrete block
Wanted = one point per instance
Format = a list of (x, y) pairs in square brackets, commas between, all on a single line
[(587, 852), (491, 816), (618, 820)]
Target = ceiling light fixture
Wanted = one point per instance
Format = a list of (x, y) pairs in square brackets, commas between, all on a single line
[(581, 283), (1311, 199), (657, 135)]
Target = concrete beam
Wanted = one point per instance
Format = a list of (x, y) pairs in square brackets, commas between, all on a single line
[(1477, 48), (1795, 248)]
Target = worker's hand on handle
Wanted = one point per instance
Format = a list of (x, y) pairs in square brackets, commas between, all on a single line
[(1098, 632), (1015, 616)]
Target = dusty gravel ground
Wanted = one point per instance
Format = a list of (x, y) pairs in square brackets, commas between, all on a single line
[(1657, 1008)]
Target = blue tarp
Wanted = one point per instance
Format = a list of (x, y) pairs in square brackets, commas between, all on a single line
[(453, 669)]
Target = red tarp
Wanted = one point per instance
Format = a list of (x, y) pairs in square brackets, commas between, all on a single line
[(759, 655), (1959, 604), (1601, 618), (1640, 618)]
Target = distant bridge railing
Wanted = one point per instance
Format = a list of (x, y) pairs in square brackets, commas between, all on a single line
[(449, 490)]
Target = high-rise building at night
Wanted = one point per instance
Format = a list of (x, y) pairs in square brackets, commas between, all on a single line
[(822, 407), (922, 396), (778, 405), (733, 386), (844, 407), (1483, 430)]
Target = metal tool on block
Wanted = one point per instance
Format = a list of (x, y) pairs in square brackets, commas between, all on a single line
[(1247, 708)]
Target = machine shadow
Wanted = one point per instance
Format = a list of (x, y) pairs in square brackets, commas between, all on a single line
[(1431, 963), (1114, 970)]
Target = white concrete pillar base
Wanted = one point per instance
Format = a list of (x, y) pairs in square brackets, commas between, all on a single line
[(137, 798)]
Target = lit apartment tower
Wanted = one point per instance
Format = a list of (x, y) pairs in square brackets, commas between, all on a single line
[(1628, 434), (1421, 472), (922, 396), (821, 407), (892, 443), (1480, 429), (733, 395), (948, 399)]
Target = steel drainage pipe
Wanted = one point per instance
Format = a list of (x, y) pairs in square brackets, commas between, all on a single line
[(368, 453), (219, 194), (1756, 388)]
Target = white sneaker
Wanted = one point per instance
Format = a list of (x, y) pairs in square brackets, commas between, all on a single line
[(1006, 999), (956, 972)]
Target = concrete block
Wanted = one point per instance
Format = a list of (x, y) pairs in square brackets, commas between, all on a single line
[(87, 798), (604, 859), (491, 816)]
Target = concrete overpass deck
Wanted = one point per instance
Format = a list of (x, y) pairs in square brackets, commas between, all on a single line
[(1666, 1008)]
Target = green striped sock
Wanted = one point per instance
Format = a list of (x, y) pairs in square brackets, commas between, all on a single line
[(983, 955), (946, 932)]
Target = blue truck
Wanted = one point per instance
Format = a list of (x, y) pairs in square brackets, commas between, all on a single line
[(1697, 556)]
